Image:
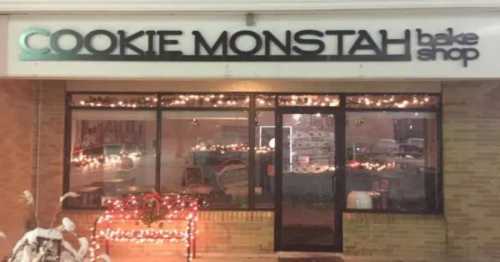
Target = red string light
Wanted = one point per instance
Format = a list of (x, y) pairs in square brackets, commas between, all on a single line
[(146, 209)]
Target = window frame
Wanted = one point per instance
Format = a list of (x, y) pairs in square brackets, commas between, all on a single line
[(438, 209), (252, 109)]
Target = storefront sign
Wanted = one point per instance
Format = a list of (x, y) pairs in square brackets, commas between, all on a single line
[(286, 46), (303, 45)]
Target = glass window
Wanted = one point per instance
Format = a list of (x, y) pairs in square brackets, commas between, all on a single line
[(112, 154), (206, 153), (392, 155), (265, 141), (392, 161)]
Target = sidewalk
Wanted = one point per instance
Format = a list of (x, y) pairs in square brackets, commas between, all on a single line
[(273, 257)]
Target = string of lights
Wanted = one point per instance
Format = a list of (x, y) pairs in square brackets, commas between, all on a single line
[(390, 101), (212, 100), (372, 166), (118, 102), (239, 100), (96, 161), (147, 209), (222, 149), (309, 100)]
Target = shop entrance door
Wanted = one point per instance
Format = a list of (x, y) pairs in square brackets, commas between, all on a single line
[(308, 209)]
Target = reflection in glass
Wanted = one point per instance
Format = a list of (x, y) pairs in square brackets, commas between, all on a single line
[(265, 101), (307, 180), (392, 160), (265, 139), (113, 154), (206, 153)]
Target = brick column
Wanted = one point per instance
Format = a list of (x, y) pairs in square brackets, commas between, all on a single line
[(50, 149), (472, 170), (16, 142)]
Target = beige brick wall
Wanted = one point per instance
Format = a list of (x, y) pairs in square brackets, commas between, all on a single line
[(218, 231), (472, 170), (400, 236), (16, 143), (242, 231)]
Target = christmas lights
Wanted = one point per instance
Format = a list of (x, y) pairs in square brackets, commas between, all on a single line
[(313, 169), (265, 101), (309, 100), (391, 101), (146, 209), (239, 100), (117, 101), (210, 100), (372, 166), (222, 149), (97, 161)]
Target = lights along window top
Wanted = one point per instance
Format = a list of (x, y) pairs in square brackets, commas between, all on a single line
[(392, 101), (115, 101), (309, 100), (205, 100), (265, 101)]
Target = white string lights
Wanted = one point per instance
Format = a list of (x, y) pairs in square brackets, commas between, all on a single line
[(222, 149), (265, 101), (391, 101), (372, 166), (116, 101), (309, 100), (209, 100), (87, 161)]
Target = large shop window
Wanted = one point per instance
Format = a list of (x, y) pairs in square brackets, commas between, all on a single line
[(221, 147), (113, 153), (392, 156), (206, 153)]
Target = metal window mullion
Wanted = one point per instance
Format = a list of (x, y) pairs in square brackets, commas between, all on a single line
[(251, 153), (158, 146)]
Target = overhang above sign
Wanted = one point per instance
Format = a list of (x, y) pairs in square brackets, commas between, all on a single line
[(345, 46)]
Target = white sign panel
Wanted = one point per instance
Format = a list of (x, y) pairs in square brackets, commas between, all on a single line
[(325, 46)]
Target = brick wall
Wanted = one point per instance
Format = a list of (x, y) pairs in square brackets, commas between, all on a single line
[(218, 231), (50, 148), (236, 231), (472, 170), (16, 142), (398, 236)]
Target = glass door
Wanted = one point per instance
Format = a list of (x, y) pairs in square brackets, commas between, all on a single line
[(307, 208)]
